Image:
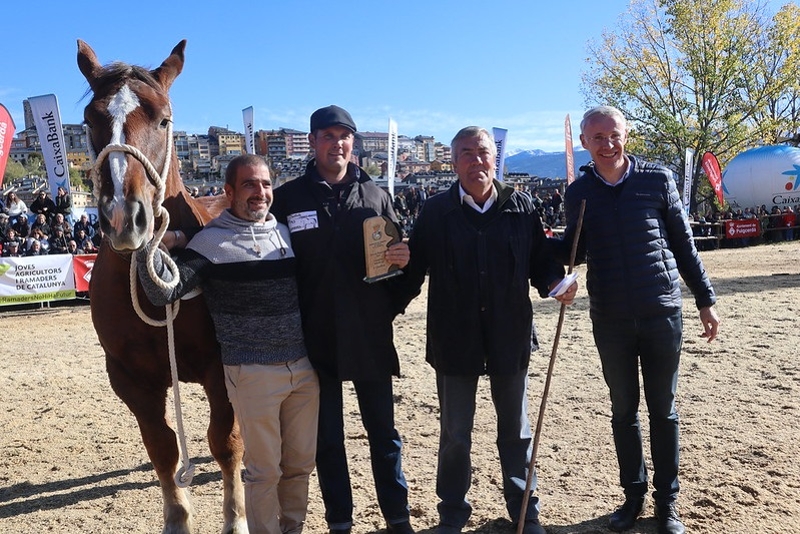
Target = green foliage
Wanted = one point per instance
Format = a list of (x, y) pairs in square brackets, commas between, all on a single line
[(711, 75), (14, 171), (34, 164), (373, 170), (76, 178)]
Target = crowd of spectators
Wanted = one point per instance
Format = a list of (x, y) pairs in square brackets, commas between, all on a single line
[(51, 231), (209, 192), (408, 203), (776, 225)]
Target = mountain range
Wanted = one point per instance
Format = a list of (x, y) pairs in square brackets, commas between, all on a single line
[(545, 164)]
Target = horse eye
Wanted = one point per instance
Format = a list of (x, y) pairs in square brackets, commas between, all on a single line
[(164, 123)]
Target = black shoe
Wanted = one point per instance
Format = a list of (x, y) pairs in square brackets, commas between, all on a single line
[(339, 531), (625, 516), (532, 526), (668, 520), (400, 528)]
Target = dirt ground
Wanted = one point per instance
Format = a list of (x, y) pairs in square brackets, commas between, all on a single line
[(71, 459)]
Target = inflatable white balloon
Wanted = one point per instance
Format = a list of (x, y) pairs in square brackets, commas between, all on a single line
[(767, 175)]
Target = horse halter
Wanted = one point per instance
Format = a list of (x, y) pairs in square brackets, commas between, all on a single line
[(156, 178), (159, 181)]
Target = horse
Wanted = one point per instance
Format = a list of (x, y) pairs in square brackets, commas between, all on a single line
[(129, 120)]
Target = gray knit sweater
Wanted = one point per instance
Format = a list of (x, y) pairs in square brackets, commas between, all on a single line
[(247, 273)]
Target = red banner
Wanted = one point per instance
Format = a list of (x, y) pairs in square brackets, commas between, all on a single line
[(568, 152), (711, 166), (82, 265), (6, 135), (742, 228)]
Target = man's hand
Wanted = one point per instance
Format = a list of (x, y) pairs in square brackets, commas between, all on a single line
[(568, 296), (398, 254), (173, 239), (710, 320)]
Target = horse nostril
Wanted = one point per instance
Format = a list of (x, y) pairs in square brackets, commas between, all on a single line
[(139, 215)]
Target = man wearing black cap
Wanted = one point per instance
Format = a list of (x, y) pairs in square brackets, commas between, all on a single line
[(347, 322)]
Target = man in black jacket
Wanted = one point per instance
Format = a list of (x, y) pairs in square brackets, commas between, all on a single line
[(63, 204), (43, 204), (483, 245), (636, 241), (347, 322)]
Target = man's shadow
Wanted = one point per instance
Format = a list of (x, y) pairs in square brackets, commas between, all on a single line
[(598, 525)]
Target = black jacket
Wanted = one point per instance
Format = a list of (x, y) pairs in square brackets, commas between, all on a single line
[(46, 206), (64, 204), (480, 318), (636, 241), (346, 321)]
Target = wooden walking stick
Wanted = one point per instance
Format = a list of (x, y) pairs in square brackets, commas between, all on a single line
[(532, 466)]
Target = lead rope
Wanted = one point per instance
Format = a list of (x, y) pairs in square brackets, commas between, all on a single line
[(183, 477)]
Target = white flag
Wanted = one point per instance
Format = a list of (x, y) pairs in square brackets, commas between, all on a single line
[(51, 137), (391, 156), (500, 142), (249, 134), (687, 178)]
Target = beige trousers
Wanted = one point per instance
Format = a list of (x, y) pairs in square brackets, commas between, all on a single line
[(277, 408)]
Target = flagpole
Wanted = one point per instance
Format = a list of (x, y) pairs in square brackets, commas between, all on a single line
[(532, 465)]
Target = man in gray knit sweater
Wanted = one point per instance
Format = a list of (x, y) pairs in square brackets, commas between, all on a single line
[(244, 262)]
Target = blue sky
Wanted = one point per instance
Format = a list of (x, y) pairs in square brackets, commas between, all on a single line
[(433, 66)]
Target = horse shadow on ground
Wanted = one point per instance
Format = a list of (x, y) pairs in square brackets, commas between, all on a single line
[(29, 498)]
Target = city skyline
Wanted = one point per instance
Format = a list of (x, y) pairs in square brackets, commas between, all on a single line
[(432, 67)]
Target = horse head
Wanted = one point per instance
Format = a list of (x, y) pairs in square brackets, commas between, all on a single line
[(129, 131)]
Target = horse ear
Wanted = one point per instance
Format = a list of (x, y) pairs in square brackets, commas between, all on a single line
[(88, 63), (171, 67)]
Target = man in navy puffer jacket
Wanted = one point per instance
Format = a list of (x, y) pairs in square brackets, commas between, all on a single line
[(636, 242)]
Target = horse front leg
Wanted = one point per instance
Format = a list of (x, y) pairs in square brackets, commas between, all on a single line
[(148, 404), (227, 449)]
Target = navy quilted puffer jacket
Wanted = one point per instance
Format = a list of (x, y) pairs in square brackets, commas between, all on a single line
[(636, 242)]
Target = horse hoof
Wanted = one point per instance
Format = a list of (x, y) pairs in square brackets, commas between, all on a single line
[(239, 526)]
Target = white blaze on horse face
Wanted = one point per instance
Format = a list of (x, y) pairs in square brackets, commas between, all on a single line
[(120, 106)]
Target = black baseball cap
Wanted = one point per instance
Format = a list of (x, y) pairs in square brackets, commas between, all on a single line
[(332, 116)]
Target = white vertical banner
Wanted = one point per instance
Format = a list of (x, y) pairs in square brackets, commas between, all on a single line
[(51, 137), (499, 135), (391, 163), (249, 134), (687, 179)]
